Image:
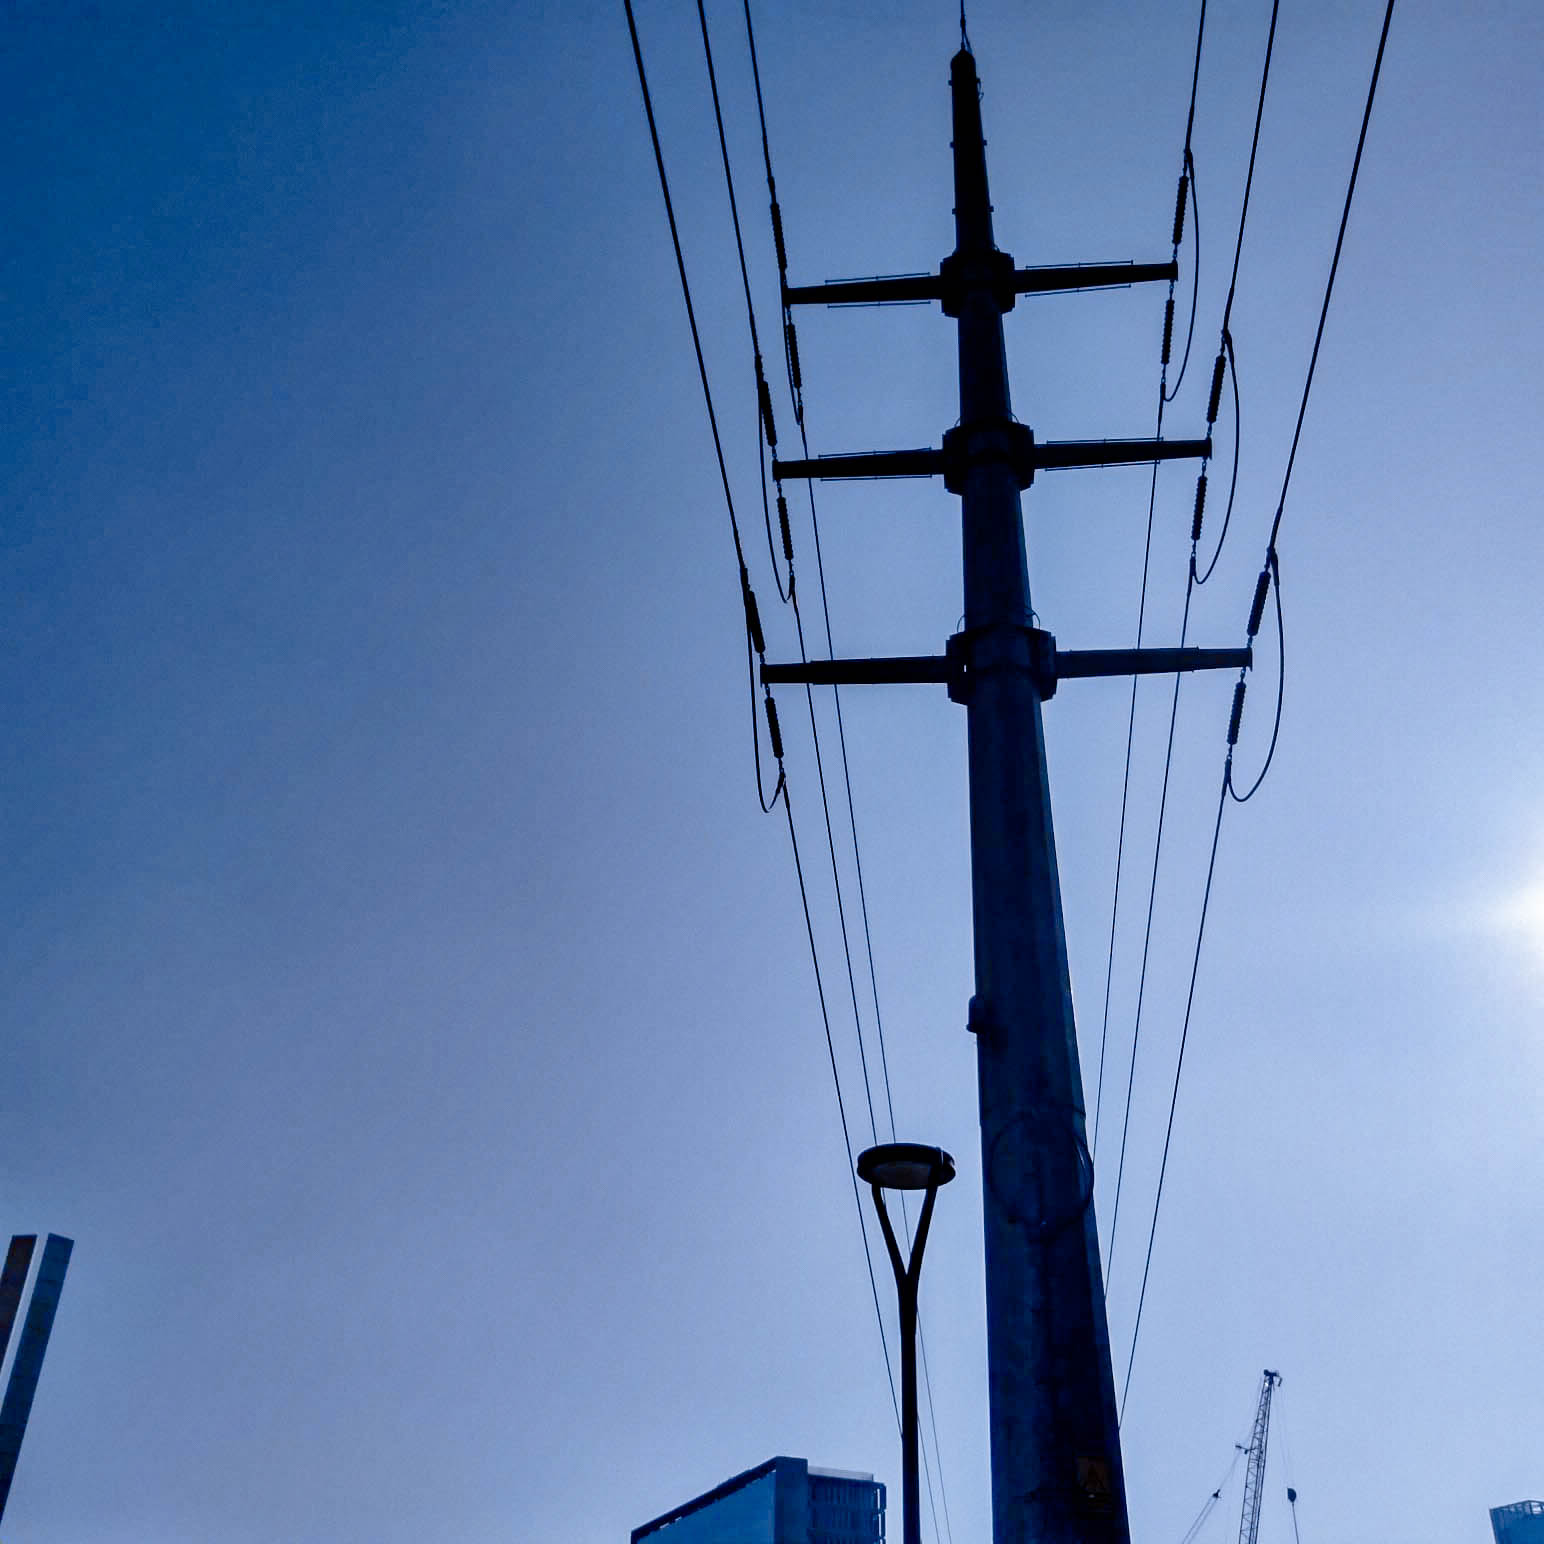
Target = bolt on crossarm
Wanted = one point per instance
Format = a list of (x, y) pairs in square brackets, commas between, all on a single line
[(1055, 1447)]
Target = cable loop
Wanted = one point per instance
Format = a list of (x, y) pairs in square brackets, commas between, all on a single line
[(1227, 517)]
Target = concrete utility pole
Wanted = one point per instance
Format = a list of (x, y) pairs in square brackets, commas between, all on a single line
[(1056, 1462)]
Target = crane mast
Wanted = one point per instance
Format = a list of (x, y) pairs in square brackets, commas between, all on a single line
[(1254, 1472)]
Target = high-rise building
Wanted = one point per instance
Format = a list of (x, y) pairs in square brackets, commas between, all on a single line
[(1520, 1523), (32, 1338), (783, 1501)]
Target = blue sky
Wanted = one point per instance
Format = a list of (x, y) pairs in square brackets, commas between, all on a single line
[(407, 1008)]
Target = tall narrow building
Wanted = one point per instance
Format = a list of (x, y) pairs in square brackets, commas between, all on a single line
[(32, 1340)]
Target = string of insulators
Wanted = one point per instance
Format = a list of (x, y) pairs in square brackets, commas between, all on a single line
[(777, 237), (1195, 520), (1179, 207), (1237, 716), (774, 733), (752, 615), (783, 525), (1257, 610), (1168, 329), (792, 338), (1215, 400), (764, 395)]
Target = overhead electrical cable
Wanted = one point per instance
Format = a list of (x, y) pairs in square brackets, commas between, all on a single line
[(763, 393), (1224, 354), (756, 643), (747, 595), (1147, 939), (1168, 1135), (1272, 562), (1195, 275), (1226, 361), (825, 1016), (1270, 578), (770, 434), (768, 438), (796, 394), (1227, 514), (1186, 189)]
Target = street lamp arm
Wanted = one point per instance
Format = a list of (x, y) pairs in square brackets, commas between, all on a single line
[(902, 1274), (919, 1242)]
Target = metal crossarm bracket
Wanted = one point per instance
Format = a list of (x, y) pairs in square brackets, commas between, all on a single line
[(956, 275), (905, 670), (996, 441), (969, 655), (873, 463)]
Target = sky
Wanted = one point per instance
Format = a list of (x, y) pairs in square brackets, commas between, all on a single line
[(407, 1008)]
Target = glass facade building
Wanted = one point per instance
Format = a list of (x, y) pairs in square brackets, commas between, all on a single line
[(783, 1501), (1520, 1523)]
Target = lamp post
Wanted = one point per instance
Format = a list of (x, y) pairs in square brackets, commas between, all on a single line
[(907, 1166)]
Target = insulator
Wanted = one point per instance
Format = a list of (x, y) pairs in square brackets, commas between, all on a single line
[(1216, 398), (787, 530), (1179, 207), (1168, 328), (1257, 610), (793, 356), (1237, 715), (765, 395), (777, 238), (1195, 521), (753, 618), (774, 733)]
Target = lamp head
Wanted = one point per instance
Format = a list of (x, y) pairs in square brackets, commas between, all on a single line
[(905, 1166)]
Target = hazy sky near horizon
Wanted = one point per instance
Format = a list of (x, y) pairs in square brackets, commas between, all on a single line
[(405, 1006)]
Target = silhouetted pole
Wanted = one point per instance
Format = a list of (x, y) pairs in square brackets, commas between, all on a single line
[(1056, 1465)]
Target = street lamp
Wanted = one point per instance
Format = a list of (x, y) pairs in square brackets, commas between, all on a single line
[(907, 1166)]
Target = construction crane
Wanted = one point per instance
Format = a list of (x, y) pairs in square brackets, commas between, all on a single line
[(1254, 1472)]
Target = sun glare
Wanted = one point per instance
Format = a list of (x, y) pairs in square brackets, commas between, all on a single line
[(1522, 915)]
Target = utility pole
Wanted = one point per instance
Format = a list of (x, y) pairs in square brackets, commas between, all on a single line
[(1056, 1465), (1055, 1444)]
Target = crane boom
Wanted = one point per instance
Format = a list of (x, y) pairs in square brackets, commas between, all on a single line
[(1254, 1472)]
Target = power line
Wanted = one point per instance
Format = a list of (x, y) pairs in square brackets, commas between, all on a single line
[(686, 289), (795, 389), (747, 596), (1271, 573), (1224, 354), (1147, 939), (763, 397), (1238, 431), (755, 643), (1195, 268), (1270, 577), (1186, 186), (1168, 1136), (767, 425), (770, 432), (1329, 288), (825, 1017)]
